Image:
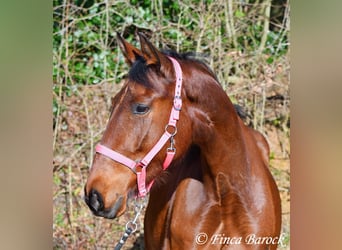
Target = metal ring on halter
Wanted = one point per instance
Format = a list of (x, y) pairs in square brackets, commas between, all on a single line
[(174, 127), (132, 225)]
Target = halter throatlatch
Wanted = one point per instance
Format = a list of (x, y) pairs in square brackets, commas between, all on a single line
[(139, 168)]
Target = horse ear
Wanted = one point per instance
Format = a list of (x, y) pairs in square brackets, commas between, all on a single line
[(153, 56), (150, 53), (130, 52)]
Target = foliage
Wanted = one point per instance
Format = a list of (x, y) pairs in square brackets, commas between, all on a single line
[(85, 51), (84, 32)]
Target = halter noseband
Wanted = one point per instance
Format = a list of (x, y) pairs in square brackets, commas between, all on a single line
[(139, 168)]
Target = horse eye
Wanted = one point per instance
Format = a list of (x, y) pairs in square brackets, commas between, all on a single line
[(140, 109)]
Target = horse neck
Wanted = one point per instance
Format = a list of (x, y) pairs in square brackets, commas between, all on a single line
[(218, 133)]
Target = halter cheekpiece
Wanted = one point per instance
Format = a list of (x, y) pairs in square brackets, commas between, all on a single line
[(139, 168)]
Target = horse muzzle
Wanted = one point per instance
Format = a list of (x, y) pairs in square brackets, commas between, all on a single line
[(94, 200)]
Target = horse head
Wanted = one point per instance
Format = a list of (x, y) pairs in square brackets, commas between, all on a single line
[(140, 118)]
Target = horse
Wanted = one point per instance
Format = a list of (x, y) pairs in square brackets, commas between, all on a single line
[(174, 133)]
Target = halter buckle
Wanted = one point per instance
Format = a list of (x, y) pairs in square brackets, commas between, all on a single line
[(177, 103)]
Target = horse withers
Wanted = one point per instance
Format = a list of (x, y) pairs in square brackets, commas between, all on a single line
[(173, 132)]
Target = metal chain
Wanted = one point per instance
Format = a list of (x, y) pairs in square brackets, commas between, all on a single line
[(131, 226)]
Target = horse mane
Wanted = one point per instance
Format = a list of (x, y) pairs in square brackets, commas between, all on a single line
[(139, 70), (193, 57)]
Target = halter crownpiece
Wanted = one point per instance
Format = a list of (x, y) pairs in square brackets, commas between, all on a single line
[(139, 168)]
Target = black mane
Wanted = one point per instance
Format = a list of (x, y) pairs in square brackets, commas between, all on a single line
[(139, 69), (191, 56), (138, 72)]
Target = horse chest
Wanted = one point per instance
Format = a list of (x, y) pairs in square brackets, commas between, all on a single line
[(181, 218)]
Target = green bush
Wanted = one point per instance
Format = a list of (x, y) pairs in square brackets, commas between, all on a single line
[(84, 36)]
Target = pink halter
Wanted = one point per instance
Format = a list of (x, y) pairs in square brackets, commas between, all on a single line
[(139, 168)]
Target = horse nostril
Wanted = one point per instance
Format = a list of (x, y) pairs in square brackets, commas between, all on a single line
[(94, 201)]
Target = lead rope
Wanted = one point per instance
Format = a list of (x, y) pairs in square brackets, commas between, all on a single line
[(131, 226)]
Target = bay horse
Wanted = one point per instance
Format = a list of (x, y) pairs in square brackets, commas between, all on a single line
[(172, 125)]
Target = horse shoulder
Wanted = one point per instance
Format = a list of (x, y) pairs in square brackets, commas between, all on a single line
[(187, 206), (262, 144), (264, 191)]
